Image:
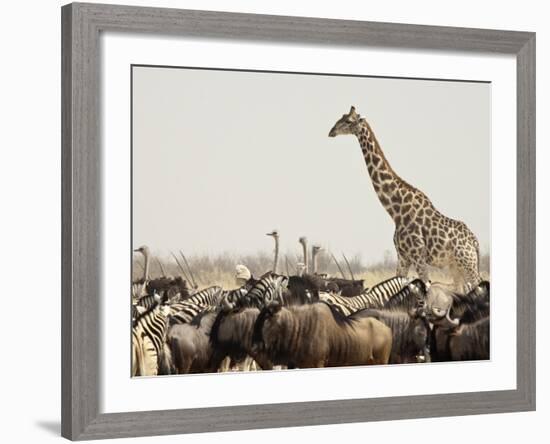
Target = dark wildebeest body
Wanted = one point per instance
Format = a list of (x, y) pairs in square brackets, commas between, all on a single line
[(410, 333), (305, 288), (468, 342), (317, 335), (472, 306), (174, 288), (345, 287), (190, 345), (231, 336)]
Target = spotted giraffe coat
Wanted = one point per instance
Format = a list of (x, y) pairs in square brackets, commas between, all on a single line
[(423, 236)]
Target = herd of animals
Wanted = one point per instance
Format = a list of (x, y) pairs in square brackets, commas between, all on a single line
[(311, 320)]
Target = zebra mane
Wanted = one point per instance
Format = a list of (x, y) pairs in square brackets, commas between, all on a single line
[(405, 299), (398, 279), (145, 313), (340, 318)]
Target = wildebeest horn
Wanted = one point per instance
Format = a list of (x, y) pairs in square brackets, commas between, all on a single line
[(453, 322), (349, 267)]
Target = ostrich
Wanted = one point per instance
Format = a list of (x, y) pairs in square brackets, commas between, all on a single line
[(315, 250), (144, 250), (303, 241), (275, 235)]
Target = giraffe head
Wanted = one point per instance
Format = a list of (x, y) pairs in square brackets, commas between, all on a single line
[(348, 124)]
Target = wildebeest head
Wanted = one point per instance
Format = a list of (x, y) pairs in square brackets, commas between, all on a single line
[(482, 295), (268, 312), (420, 334), (438, 305)]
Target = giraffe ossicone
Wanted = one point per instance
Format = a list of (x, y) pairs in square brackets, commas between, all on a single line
[(423, 236)]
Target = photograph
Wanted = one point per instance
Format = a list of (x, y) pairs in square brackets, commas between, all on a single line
[(290, 220)]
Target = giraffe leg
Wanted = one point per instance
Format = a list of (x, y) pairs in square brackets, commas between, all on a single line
[(468, 266), (419, 255), (457, 275), (403, 262), (403, 266), (422, 270)]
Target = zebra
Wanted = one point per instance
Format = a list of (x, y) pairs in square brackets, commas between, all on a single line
[(376, 297), (409, 298), (232, 298), (148, 301), (150, 356), (268, 288), (380, 293), (184, 312)]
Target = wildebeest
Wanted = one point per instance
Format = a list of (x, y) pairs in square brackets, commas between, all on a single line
[(376, 297), (231, 336), (410, 333), (175, 288), (405, 314), (190, 344), (318, 335), (472, 306), (345, 287), (444, 306), (305, 287), (463, 343)]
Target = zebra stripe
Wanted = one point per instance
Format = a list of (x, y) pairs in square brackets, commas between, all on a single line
[(151, 327), (148, 301), (376, 297), (232, 298), (208, 296), (184, 312), (406, 299), (268, 289), (382, 292)]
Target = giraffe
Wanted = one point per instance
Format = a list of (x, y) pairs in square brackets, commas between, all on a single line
[(423, 236)]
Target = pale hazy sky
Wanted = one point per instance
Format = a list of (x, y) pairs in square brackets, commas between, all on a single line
[(221, 157)]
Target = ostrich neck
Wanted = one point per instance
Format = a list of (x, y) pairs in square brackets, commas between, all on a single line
[(314, 261), (306, 262), (276, 259), (387, 184), (146, 268)]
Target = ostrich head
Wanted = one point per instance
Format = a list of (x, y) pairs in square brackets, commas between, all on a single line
[(144, 249), (274, 234), (316, 249), (348, 124), (303, 240)]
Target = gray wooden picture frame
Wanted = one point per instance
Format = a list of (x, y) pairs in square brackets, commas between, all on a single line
[(81, 214)]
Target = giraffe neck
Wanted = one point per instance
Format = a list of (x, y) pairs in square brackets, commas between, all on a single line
[(387, 184)]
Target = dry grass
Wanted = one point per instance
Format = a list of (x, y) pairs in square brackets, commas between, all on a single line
[(220, 269)]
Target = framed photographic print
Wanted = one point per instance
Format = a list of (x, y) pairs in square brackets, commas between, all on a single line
[(305, 214)]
